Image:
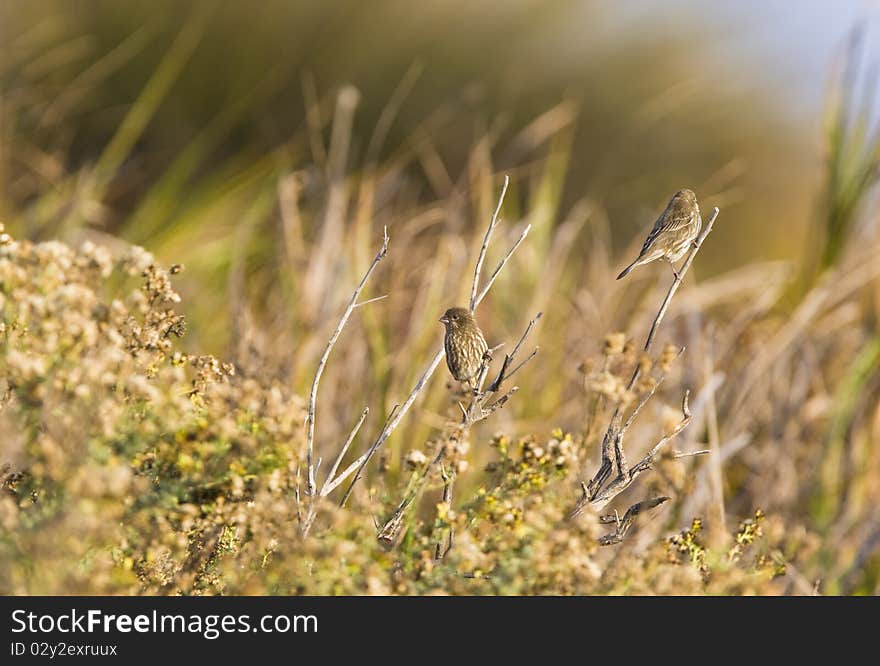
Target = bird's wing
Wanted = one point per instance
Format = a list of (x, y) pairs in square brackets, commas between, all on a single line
[(679, 220), (655, 231)]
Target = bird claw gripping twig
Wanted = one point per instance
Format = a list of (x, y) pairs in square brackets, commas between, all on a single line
[(486, 401)]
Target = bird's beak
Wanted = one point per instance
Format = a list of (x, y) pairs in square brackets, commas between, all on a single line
[(443, 320)]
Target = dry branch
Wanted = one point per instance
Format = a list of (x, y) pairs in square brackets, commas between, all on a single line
[(360, 463), (614, 475), (478, 267), (623, 524), (325, 489), (312, 467), (313, 393), (484, 402)]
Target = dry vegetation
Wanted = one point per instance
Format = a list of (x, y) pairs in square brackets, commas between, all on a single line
[(132, 463)]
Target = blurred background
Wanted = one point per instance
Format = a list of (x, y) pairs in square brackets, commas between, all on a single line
[(170, 123), (265, 145)]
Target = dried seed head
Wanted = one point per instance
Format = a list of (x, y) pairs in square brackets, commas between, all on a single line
[(668, 355), (614, 344), (415, 459)]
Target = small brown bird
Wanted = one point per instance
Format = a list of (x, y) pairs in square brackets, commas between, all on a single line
[(464, 343), (673, 232)]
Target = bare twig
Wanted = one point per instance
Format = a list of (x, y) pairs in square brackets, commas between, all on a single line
[(689, 454), (371, 300), (644, 399), (479, 265), (360, 463), (648, 461), (448, 482), (500, 266), (332, 473), (485, 402), (613, 456), (623, 524), (298, 499), (508, 358), (313, 394), (626, 476)]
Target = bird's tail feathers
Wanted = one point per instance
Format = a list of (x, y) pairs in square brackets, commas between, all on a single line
[(627, 270)]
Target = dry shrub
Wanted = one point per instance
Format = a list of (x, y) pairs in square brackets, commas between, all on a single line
[(135, 468)]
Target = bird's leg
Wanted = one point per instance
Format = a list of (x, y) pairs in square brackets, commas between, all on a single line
[(672, 266), (469, 388)]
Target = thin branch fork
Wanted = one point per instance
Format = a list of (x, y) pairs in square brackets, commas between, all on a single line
[(486, 402), (623, 524), (626, 476), (331, 475), (358, 465), (613, 455), (501, 264), (508, 358), (478, 267)]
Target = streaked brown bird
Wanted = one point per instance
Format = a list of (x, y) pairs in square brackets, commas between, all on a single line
[(464, 344), (673, 232)]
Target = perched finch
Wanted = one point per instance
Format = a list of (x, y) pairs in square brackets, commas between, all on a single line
[(464, 343), (673, 232)]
